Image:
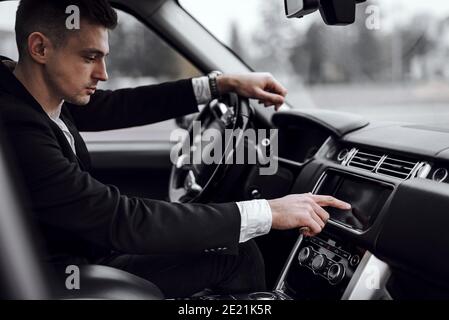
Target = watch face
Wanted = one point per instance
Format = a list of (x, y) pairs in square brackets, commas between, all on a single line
[(216, 73)]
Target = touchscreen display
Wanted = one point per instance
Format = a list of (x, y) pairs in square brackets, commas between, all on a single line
[(367, 198)]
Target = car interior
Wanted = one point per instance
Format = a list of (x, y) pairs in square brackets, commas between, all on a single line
[(392, 245)]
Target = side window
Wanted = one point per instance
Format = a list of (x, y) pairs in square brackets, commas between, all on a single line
[(8, 45), (137, 57)]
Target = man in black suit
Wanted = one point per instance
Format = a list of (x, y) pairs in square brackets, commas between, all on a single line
[(51, 94)]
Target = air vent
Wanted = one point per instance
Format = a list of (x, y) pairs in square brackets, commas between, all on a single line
[(365, 160), (384, 164), (398, 168)]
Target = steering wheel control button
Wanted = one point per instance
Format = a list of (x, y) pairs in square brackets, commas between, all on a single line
[(182, 160), (255, 194), (354, 261), (440, 175), (336, 273), (190, 184), (305, 255), (265, 142), (222, 112), (319, 262)]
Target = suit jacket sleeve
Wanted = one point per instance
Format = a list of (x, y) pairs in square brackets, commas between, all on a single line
[(69, 199), (109, 110)]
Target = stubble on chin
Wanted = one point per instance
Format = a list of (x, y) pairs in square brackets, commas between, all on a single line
[(79, 101)]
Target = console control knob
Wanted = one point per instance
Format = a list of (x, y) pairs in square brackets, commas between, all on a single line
[(319, 262), (304, 255), (336, 273), (354, 261)]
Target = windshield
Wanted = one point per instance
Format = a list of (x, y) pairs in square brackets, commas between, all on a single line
[(392, 64)]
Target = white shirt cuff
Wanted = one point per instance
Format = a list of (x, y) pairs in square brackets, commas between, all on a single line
[(256, 219), (201, 89)]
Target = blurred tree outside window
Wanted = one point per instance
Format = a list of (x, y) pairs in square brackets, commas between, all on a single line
[(398, 71)]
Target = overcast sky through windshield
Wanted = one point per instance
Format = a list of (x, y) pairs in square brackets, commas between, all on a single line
[(379, 77), (216, 11)]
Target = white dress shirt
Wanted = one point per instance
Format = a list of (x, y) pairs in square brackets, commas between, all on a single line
[(256, 216)]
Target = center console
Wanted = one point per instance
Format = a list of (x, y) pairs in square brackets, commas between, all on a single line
[(319, 268), (325, 266), (322, 267)]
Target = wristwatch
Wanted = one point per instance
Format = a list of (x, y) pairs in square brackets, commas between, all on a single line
[(213, 85)]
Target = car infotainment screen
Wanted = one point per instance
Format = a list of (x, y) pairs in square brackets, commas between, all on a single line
[(366, 196)]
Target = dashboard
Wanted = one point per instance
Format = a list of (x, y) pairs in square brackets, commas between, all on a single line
[(396, 178)]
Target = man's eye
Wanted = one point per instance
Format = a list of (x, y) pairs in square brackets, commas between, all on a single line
[(89, 59)]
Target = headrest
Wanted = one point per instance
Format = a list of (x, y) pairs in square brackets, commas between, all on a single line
[(9, 63)]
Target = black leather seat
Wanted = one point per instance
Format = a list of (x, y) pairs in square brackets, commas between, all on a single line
[(22, 275), (102, 282)]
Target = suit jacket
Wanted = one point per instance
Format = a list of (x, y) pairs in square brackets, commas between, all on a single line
[(82, 217)]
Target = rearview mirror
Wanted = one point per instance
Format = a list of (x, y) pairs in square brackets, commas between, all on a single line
[(333, 12), (300, 8), (338, 12)]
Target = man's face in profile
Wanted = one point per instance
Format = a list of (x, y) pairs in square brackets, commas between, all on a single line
[(74, 69)]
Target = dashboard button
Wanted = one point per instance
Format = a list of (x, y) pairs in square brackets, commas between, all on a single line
[(354, 261), (440, 175)]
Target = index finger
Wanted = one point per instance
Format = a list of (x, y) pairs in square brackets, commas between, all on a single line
[(329, 201)]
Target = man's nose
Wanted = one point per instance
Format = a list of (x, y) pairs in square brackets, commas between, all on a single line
[(100, 72)]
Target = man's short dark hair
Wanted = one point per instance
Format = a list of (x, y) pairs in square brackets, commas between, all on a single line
[(49, 17)]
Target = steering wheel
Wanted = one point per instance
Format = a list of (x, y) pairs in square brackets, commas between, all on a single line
[(198, 168)]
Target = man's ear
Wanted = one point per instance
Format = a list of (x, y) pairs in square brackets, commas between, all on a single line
[(38, 47)]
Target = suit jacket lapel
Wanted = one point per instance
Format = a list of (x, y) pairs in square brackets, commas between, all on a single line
[(81, 150), (10, 84)]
